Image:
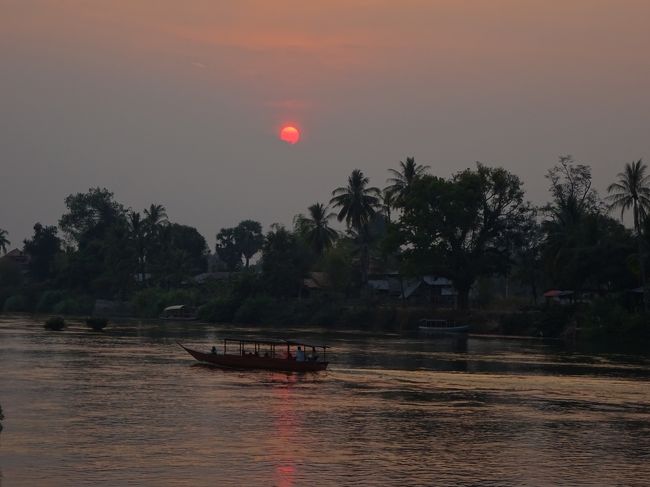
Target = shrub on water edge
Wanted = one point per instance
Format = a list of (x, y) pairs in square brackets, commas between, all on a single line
[(325, 315), (606, 321), (55, 323), (219, 310), (358, 317), (74, 306), (520, 324), (256, 309), (97, 323), (148, 303), (48, 300), (15, 303)]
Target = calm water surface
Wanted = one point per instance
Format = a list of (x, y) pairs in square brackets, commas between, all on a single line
[(129, 407)]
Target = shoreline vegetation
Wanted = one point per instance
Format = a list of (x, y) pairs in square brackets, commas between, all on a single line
[(468, 249)]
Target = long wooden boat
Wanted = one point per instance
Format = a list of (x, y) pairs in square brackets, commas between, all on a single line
[(285, 355), (436, 327)]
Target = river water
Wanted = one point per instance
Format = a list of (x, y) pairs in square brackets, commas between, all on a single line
[(130, 407)]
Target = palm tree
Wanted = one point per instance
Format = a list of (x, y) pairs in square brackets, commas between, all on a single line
[(4, 242), (632, 190), (357, 203), (155, 216), (137, 236), (404, 177), (387, 202), (315, 228)]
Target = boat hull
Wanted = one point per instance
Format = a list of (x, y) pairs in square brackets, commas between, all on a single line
[(255, 362), (435, 330)]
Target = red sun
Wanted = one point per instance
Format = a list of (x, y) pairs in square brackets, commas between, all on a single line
[(290, 134)]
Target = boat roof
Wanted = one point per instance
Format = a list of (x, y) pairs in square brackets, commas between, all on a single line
[(267, 341), (175, 307)]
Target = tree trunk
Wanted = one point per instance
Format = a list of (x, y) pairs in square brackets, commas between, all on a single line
[(642, 271), (364, 264), (639, 237)]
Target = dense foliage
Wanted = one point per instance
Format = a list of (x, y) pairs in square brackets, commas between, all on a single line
[(474, 228)]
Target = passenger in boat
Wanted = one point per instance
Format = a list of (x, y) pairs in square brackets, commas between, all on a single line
[(300, 355), (314, 356)]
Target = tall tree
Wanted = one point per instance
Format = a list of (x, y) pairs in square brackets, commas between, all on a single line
[(403, 178), (96, 224), (138, 238), (571, 185), (90, 214), (357, 203), (460, 228), (285, 262), (184, 254), (155, 216), (227, 249), (249, 238), (42, 249), (315, 229), (632, 191), (388, 202), (4, 241)]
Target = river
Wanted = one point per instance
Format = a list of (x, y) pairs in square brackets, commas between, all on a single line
[(127, 406)]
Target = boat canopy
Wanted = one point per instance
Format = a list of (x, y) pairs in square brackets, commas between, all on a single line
[(266, 341), (176, 307)]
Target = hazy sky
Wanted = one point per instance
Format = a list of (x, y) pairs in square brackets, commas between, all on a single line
[(180, 103)]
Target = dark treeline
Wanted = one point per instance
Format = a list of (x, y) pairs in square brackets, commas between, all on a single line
[(475, 229)]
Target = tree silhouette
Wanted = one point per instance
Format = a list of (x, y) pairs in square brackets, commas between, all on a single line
[(632, 191), (315, 228), (403, 178), (358, 203), (4, 242)]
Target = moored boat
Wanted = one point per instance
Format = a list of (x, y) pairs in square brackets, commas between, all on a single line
[(179, 312), (434, 327), (288, 356)]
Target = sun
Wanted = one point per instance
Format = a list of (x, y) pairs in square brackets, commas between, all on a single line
[(290, 134)]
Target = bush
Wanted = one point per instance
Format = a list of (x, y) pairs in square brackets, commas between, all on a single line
[(97, 324), (520, 324), (55, 323), (358, 317), (15, 303), (607, 322), (48, 300), (257, 309), (74, 306), (325, 314), (220, 310)]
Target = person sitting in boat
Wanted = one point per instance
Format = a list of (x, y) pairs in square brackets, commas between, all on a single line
[(214, 350), (313, 357), (300, 355)]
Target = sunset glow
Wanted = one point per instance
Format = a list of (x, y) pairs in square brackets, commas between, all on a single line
[(290, 134)]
